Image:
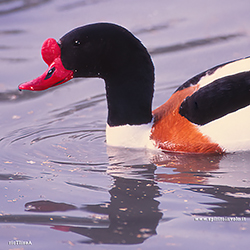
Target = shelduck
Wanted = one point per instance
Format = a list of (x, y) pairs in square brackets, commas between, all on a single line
[(209, 113)]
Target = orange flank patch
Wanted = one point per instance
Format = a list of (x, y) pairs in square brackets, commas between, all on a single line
[(173, 132)]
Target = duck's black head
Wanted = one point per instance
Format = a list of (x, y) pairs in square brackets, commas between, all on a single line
[(110, 52)]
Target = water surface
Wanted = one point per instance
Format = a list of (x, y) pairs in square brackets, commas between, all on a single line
[(60, 182)]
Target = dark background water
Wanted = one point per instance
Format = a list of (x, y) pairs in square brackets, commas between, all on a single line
[(63, 188)]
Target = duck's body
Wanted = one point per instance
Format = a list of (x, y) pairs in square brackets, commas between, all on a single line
[(199, 117), (209, 113)]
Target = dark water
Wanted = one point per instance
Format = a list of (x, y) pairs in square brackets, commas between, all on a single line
[(63, 188)]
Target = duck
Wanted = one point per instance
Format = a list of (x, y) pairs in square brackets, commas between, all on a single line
[(207, 114)]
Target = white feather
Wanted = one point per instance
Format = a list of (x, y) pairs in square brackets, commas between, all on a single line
[(226, 70), (232, 131), (131, 136)]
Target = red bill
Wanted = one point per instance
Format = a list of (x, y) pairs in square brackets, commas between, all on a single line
[(55, 74)]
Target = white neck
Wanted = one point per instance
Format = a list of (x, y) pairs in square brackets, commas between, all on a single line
[(131, 136)]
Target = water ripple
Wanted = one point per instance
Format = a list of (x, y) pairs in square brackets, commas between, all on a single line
[(91, 187), (11, 6), (194, 44), (16, 95), (14, 177), (74, 107)]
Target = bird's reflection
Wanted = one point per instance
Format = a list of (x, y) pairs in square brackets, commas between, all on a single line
[(132, 211), (187, 168), (132, 214)]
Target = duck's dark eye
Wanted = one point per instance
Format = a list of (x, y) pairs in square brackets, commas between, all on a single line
[(77, 42), (50, 73)]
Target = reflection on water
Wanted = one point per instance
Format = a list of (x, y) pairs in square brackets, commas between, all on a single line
[(188, 168), (231, 201), (133, 212)]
